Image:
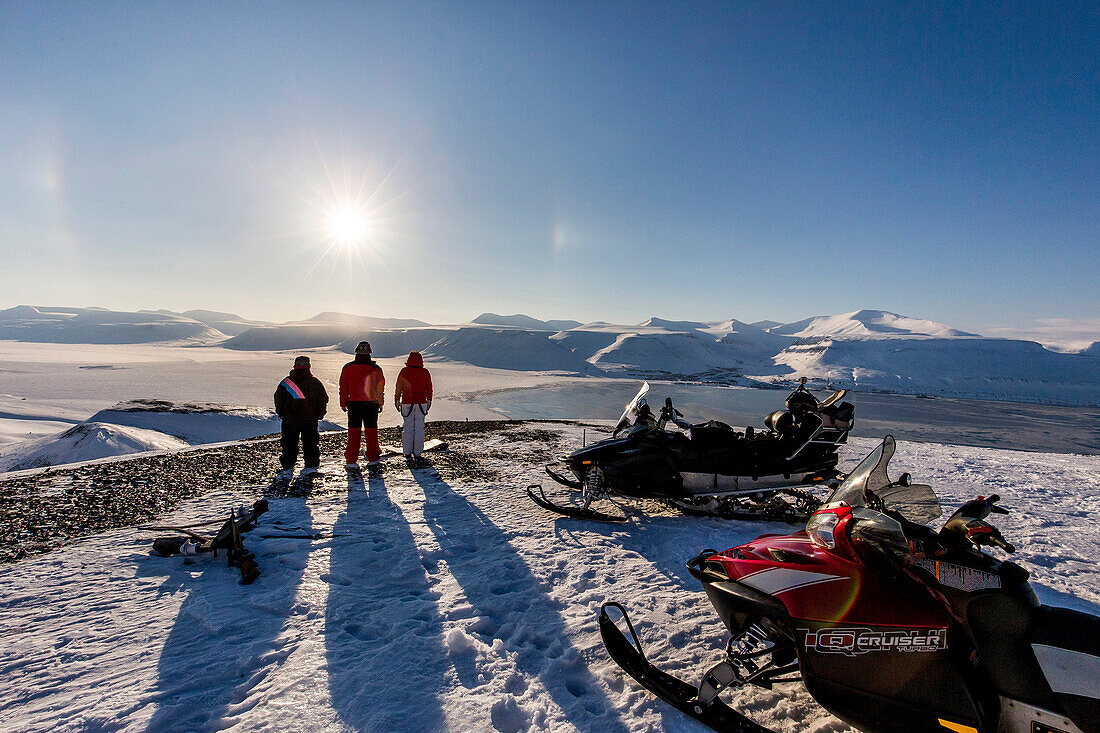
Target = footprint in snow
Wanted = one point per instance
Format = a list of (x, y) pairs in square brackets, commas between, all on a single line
[(360, 633), (508, 716), (333, 579)]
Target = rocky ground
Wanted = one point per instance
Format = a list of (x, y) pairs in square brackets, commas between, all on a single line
[(41, 511)]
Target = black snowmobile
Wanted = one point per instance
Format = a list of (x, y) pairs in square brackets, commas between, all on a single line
[(710, 468), (890, 625)]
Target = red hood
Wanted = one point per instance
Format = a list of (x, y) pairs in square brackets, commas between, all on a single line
[(415, 359)]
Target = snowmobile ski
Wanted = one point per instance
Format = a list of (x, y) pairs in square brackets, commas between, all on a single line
[(575, 512), (701, 703), (562, 479), (771, 507)]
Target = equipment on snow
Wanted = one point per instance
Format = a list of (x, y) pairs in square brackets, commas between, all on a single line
[(890, 625), (711, 468), (435, 445), (228, 538)]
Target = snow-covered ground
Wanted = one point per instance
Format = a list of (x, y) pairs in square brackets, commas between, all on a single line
[(436, 604)]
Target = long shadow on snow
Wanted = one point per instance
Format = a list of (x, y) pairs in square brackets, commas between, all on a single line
[(506, 597), (669, 542), (224, 639), (383, 631)]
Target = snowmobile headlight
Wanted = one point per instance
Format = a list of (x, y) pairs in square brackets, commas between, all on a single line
[(820, 528)]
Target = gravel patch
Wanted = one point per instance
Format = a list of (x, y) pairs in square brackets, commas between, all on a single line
[(47, 510)]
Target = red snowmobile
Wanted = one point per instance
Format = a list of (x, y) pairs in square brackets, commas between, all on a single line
[(890, 625)]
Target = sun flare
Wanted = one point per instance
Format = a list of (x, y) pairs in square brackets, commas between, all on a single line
[(348, 226)]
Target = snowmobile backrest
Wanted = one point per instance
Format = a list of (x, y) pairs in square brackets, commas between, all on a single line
[(800, 402), (838, 416), (780, 421)]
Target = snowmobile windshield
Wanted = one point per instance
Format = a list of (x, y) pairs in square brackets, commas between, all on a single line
[(869, 486), (630, 414)]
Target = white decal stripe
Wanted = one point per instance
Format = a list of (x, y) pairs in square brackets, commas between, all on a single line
[(778, 580), (758, 572), (1070, 672), (813, 582)]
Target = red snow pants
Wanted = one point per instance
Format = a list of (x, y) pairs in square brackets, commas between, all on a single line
[(362, 418)]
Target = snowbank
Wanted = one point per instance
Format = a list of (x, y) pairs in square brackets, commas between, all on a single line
[(196, 423), (84, 442)]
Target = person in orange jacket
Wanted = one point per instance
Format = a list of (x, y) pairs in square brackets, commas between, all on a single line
[(362, 394), (413, 398)]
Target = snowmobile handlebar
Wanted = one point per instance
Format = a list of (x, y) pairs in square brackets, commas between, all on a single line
[(969, 521)]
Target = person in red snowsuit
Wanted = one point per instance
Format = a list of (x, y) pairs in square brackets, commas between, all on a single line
[(362, 394), (413, 398)]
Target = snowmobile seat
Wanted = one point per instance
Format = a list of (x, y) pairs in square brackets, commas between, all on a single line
[(839, 417), (713, 434)]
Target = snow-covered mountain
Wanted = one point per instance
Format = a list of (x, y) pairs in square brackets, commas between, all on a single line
[(228, 323), (101, 326), (868, 324), (322, 330), (514, 349), (395, 341), (350, 319), (519, 320), (995, 369)]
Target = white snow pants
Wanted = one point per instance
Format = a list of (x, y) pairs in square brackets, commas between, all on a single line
[(412, 435)]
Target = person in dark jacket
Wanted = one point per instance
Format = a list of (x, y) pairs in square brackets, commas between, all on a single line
[(301, 401), (413, 398), (362, 392)]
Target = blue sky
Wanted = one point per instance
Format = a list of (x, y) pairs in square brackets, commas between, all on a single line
[(566, 160)]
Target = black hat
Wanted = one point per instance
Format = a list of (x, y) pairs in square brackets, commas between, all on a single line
[(363, 347), (301, 362)]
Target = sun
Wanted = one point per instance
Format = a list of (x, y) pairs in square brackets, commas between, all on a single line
[(348, 226)]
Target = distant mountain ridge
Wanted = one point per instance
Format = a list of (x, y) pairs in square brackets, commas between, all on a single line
[(101, 326), (868, 350), (519, 320)]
